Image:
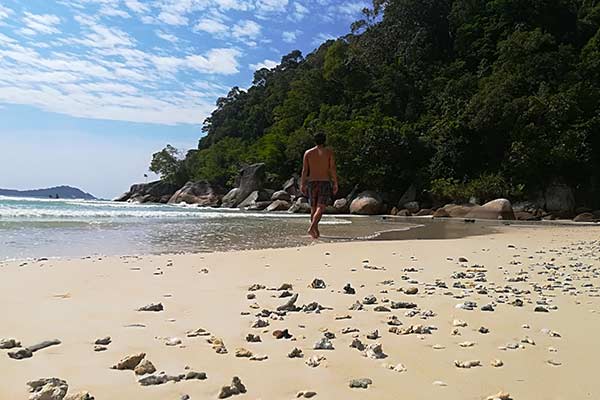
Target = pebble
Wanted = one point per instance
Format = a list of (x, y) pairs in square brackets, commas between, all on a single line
[(467, 364), (129, 362), (154, 307), (314, 361), (7, 344), (306, 394), (144, 367), (236, 387), (361, 383), (323, 344), (47, 389), (295, 353), (318, 284), (497, 363), (251, 338), (105, 341)]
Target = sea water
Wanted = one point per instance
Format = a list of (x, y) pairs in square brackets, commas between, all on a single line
[(32, 228)]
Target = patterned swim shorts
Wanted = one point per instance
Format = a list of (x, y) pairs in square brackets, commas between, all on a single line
[(320, 192)]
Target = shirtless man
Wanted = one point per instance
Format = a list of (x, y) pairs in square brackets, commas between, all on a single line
[(318, 174)]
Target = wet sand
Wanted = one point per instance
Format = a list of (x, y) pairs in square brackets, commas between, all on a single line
[(545, 355)]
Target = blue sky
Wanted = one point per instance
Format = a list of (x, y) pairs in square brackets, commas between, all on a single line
[(90, 88)]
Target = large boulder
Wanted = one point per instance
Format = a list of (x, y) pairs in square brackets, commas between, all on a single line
[(559, 198), (409, 196), (255, 197), (292, 187), (279, 205), (153, 192), (424, 212), (259, 205), (495, 209), (341, 206), (367, 203), (585, 217), (300, 206), (201, 193), (453, 211), (412, 206), (281, 195), (250, 179)]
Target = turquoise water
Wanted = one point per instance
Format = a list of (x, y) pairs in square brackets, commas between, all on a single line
[(32, 228)]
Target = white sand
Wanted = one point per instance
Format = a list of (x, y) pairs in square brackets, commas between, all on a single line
[(78, 301)]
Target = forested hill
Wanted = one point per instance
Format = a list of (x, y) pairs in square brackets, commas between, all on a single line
[(57, 192), (460, 98)]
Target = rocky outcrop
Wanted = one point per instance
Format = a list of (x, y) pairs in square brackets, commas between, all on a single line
[(257, 196), (292, 187), (585, 217), (453, 211), (281, 195), (300, 206), (153, 192), (250, 179), (341, 206), (367, 203), (279, 205), (409, 196), (201, 193), (495, 209)]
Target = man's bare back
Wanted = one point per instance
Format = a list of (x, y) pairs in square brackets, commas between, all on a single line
[(319, 163)]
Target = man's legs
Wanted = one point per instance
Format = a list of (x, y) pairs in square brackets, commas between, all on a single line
[(315, 219)]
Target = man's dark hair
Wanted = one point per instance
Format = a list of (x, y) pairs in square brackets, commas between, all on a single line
[(320, 138)]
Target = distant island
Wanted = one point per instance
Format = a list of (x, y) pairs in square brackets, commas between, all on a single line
[(57, 192)]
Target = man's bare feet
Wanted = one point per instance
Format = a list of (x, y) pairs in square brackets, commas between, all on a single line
[(313, 233)]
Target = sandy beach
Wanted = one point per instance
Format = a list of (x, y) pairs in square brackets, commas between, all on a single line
[(551, 353)]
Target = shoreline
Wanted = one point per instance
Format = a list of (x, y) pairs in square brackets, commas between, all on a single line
[(80, 300)]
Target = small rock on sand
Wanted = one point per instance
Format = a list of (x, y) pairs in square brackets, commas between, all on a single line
[(235, 388), (48, 389), (144, 367), (80, 396), (306, 394), (6, 344), (361, 383), (129, 362), (105, 341), (154, 307)]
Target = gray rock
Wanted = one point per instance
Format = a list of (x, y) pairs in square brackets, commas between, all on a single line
[(20, 354), (154, 307), (105, 341), (367, 203), (201, 193), (144, 367), (80, 396), (152, 380), (318, 284), (250, 179), (279, 205), (282, 195), (153, 192), (48, 389), (323, 344), (412, 207), (290, 304), (361, 383), (7, 344), (195, 375), (129, 362), (236, 387), (254, 197)]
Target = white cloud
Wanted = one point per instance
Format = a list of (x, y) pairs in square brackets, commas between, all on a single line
[(268, 64), (111, 11), (221, 61), (5, 12), (270, 6), (246, 29), (290, 36), (40, 23), (211, 26), (166, 36), (299, 12), (136, 6), (99, 35), (172, 18)]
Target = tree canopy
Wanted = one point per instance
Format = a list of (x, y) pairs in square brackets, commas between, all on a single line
[(503, 94)]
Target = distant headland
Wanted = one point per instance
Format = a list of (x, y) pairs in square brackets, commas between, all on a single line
[(57, 192)]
